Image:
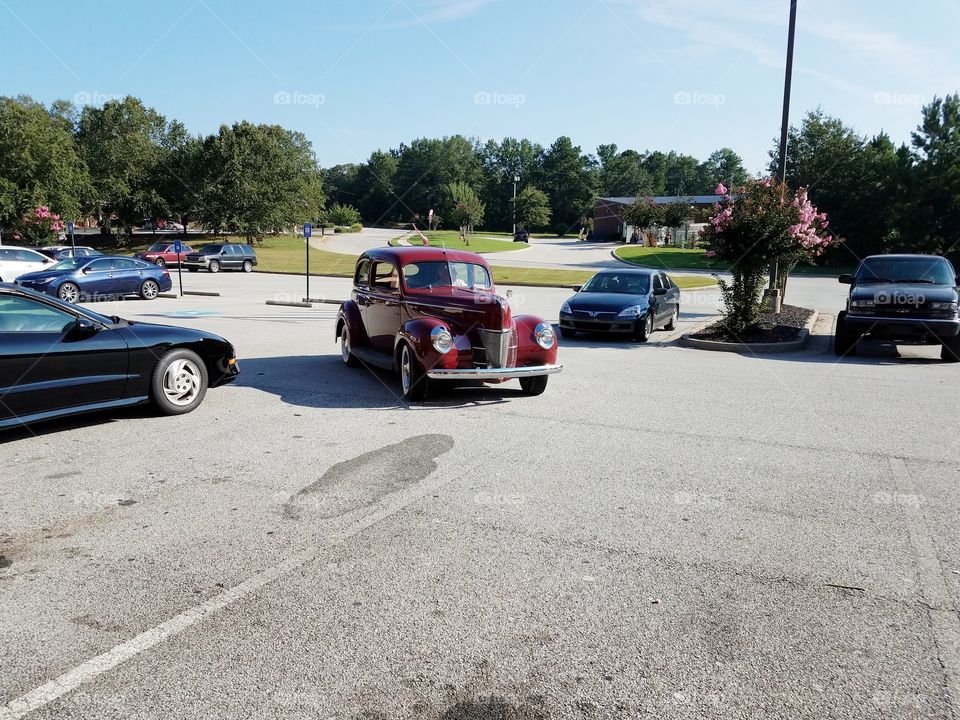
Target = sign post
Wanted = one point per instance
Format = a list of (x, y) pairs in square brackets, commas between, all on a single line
[(178, 249), (307, 232), (73, 243)]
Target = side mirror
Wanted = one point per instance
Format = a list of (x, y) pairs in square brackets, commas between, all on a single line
[(659, 291), (846, 279), (85, 270), (85, 327), (577, 288)]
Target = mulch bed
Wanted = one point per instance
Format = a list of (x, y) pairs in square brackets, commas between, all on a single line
[(771, 329)]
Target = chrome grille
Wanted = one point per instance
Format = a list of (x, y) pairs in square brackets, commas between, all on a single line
[(496, 346)]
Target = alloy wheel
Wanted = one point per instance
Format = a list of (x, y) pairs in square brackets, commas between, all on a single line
[(69, 293), (182, 382)]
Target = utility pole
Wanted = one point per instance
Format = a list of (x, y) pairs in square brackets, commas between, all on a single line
[(516, 179), (773, 291)]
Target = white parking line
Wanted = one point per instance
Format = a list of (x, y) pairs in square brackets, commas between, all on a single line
[(93, 668)]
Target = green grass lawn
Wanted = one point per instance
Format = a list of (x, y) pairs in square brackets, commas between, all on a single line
[(682, 258), (478, 244), (504, 275)]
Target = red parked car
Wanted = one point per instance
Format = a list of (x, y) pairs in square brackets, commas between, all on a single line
[(164, 253), (432, 314)]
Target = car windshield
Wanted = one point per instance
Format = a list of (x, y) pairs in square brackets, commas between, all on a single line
[(928, 271), (70, 264), (624, 283), (157, 247), (210, 248), (436, 273)]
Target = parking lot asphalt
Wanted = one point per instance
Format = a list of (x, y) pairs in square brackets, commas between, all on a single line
[(665, 532)]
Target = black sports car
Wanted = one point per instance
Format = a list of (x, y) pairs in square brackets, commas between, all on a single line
[(60, 359), (631, 302)]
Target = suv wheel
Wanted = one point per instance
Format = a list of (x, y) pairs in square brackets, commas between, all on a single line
[(844, 342), (214, 266), (247, 266), (950, 352), (413, 380)]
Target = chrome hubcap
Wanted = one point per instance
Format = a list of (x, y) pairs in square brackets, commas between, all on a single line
[(345, 343), (405, 371), (69, 293), (150, 290), (182, 382)]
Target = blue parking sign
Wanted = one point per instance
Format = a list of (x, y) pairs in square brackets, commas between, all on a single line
[(177, 246), (70, 228), (307, 230)]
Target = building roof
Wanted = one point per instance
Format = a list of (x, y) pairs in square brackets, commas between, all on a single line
[(669, 199)]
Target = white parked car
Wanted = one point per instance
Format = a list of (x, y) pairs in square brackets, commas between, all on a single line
[(16, 261)]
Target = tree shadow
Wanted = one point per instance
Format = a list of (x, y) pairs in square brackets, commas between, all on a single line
[(869, 352)]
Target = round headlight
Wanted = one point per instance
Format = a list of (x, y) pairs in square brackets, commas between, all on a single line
[(442, 339), (545, 335)]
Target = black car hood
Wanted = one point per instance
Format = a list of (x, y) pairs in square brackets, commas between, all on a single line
[(154, 330), (903, 292), (606, 302)]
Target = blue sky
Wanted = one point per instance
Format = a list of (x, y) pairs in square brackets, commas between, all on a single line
[(688, 75)]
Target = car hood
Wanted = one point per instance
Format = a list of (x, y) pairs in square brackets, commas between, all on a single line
[(43, 275), (889, 292), (605, 302)]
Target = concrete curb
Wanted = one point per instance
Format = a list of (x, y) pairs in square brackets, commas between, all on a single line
[(169, 296), (755, 348), (324, 301), (289, 303), (203, 293)]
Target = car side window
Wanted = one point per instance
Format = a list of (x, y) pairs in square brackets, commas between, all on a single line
[(657, 282), (362, 276), (20, 314), (124, 264), (385, 277), (28, 256), (6, 255), (100, 266)]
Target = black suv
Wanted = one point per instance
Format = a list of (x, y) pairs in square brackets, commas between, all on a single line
[(909, 299), (521, 235), (222, 256)]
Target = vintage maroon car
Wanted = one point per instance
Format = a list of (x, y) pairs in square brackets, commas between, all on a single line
[(434, 314), (163, 253)]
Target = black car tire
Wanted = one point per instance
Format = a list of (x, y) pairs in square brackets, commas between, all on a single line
[(950, 352), (214, 266), (644, 333), (844, 342), (160, 384), (414, 382), (534, 385), (568, 332), (68, 292), (672, 325), (349, 359), (149, 289), (247, 266), (160, 262)]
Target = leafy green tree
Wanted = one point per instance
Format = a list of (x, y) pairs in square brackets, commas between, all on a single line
[(375, 180), (426, 168), (681, 174), (622, 174), (39, 164), (127, 148), (259, 179), (501, 162), (675, 215), (343, 215), (466, 209), (643, 213), (569, 179), (723, 166), (936, 143), (533, 208), (341, 183)]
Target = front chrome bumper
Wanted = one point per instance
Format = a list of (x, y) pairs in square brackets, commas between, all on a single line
[(493, 373)]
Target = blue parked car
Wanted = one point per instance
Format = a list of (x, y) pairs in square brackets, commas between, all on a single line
[(80, 278)]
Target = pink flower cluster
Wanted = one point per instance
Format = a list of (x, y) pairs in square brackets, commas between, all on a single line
[(43, 213), (722, 218), (808, 231)]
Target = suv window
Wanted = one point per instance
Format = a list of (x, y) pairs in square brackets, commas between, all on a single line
[(247, 250), (6, 255), (362, 275), (28, 256), (385, 277), (19, 314)]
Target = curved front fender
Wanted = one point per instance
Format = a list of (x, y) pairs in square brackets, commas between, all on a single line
[(350, 314), (416, 333), (529, 351)]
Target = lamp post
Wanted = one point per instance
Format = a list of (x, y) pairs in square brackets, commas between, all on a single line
[(516, 179), (773, 291)]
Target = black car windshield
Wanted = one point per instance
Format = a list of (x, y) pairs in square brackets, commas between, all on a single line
[(432, 274), (624, 283), (211, 248), (928, 271)]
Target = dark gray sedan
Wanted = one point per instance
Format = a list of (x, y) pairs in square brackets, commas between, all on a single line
[(629, 302)]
